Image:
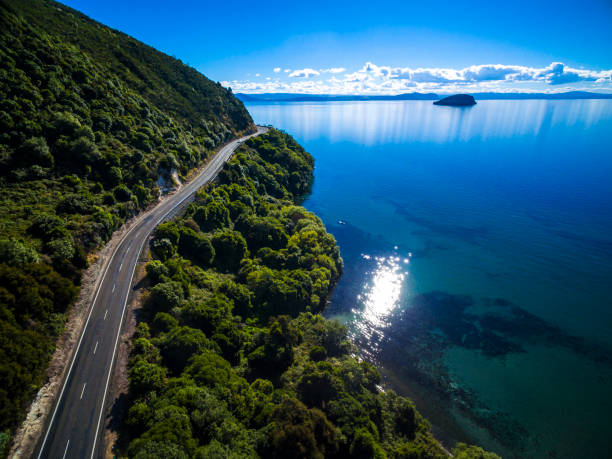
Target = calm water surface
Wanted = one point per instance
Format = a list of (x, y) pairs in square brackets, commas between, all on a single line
[(477, 246)]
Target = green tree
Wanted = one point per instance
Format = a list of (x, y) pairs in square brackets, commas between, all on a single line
[(230, 248), (168, 230), (209, 369), (318, 386), (166, 295), (463, 451), (122, 193), (146, 377), (159, 450), (63, 124), (84, 150), (211, 216), (17, 253), (365, 447), (301, 433), (196, 247), (156, 271), (170, 426), (34, 151), (178, 345), (164, 322)]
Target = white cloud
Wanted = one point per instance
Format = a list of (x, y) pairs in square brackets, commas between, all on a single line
[(333, 70), (558, 73), (490, 72), (257, 74), (277, 69), (379, 79), (304, 73)]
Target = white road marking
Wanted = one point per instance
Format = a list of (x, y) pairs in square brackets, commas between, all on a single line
[(105, 314), (82, 392), (120, 266), (96, 348), (66, 450), (114, 285)]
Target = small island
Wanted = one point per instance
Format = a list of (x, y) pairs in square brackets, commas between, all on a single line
[(458, 100)]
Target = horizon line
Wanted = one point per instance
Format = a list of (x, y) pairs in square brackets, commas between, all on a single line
[(296, 96)]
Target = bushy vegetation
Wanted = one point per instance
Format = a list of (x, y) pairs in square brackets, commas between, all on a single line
[(230, 357), (90, 119)]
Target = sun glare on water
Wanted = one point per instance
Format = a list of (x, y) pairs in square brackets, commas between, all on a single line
[(380, 295)]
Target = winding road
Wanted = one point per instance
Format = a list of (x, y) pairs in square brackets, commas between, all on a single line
[(75, 429)]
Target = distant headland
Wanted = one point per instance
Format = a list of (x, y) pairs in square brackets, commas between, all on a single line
[(457, 100), (293, 97)]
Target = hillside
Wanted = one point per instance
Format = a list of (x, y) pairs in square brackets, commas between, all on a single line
[(91, 121)]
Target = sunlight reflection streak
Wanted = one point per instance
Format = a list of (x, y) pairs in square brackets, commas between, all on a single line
[(380, 297)]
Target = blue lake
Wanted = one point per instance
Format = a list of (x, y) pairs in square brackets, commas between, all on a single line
[(478, 260)]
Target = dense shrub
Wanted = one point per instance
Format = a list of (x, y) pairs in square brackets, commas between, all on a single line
[(230, 248), (196, 247), (166, 296), (34, 151), (156, 271)]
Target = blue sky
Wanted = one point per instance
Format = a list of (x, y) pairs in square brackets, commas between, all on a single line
[(377, 47)]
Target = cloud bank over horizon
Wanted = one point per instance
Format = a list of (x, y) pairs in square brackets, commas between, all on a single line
[(377, 79)]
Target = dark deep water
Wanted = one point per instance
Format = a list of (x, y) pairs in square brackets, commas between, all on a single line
[(478, 259)]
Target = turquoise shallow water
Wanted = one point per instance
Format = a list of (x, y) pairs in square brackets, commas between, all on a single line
[(477, 246)]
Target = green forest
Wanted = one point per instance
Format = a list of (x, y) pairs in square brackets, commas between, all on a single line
[(231, 358), (91, 122)]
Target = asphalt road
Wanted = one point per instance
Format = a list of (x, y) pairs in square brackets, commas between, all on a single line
[(75, 428)]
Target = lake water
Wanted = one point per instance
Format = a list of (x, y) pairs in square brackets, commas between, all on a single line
[(478, 260)]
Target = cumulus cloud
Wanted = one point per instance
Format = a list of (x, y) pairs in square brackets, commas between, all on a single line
[(375, 70), (372, 78), (304, 73), (433, 75), (489, 72), (558, 73)]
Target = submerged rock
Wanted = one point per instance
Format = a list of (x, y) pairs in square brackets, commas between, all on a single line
[(458, 100)]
